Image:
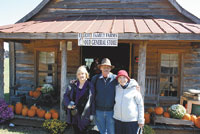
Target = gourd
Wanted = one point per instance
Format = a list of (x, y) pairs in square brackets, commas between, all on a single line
[(31, 112), (40, 113), (166, 114), (55, 115), (47, 116), (34, 107), (147, 118), (150, 110), (193, 118), (187, 117), (36, 94), (159, 110), (177, 111), (197, 122), (18, 108), (25, 111)]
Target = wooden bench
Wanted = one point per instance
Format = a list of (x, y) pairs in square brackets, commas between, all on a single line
[(152, 90)]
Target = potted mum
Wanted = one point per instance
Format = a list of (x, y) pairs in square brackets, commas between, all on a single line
[(6, 112), (55, 126)]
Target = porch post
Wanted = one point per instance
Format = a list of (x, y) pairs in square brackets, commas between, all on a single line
[(63, 46), (142, 67), (1, 70)]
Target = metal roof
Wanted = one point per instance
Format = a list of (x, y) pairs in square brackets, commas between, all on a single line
[(103, 24)]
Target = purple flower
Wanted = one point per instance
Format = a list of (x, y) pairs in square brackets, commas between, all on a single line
[(6, 113)]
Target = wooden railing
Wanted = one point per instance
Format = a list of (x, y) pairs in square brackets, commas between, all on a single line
[(152, 89)]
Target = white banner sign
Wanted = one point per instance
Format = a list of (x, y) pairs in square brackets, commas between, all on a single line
[(98, 39)]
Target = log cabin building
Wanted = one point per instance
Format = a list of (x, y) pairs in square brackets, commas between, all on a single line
[(158, 44)]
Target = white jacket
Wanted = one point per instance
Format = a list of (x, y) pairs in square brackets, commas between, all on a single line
[(129, 105)]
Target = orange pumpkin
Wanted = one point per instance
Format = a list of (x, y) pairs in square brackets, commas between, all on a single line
[(193, 118), (31, 112), (52, 111), (38, 89), (31, 93), (47, 116), (159, 110), (25, 111), (18, 108), (36, 94), (166, 114), (197, 122), (150, 110), (40, 113), (34, 107), (55, 115), (187, 117), (147, 118), (12, 107)]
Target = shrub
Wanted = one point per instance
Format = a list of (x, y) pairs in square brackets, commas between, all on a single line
[(6, 112)]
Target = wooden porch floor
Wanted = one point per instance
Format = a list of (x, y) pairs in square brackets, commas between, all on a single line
[(169, 129)]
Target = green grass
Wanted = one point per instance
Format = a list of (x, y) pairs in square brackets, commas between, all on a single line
[(6, 79)]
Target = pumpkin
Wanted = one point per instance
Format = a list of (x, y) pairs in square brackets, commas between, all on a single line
[(47, 115), (193, 118), (31, 112), (38, 89), (147, 118), (52, 111), (18, 108), (12, 107), (55, 115), (159, 110), (40, 113), (187, 117), (150, 110), (25, 111), (197, 122), (36, 94), (31, 93), (34, 107), (166, 114)]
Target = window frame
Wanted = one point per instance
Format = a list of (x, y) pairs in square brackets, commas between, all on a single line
[(171, 51), (36, 65)]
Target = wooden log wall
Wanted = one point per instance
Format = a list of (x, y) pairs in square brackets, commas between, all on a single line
[(24, 62), (153, 8), (191, 73), (153, 48)]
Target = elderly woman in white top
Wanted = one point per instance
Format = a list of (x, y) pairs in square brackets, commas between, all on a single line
[(129, 106)]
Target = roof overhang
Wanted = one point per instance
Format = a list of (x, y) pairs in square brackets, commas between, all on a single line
[(121, 36)]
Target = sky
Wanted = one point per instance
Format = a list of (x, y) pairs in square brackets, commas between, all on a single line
[(13, 10)]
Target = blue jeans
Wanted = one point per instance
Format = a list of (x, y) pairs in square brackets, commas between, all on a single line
[(105, 122)]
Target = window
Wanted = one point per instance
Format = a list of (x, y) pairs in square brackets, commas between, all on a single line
[(46, 67), (169, 74)]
